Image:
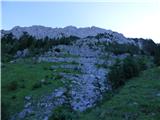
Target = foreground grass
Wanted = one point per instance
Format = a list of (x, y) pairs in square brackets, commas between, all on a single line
[(24, 78), (139, 99)]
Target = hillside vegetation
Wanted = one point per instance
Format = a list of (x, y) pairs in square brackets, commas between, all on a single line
[(71, 74), (28, 79), (138, 99)]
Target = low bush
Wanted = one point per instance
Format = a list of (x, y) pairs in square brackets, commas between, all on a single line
[(57, 50), (157, 56), (124, 70), (4, 111), (12, 86), (119, 49), (116, 75), (22, 86), (36, 85), (58, 77), (63, 112), (14, 97)]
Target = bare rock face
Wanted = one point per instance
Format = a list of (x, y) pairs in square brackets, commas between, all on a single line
[(41, 32)]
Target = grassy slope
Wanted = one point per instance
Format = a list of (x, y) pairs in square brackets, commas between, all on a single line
[(139, 99), (26, 73)]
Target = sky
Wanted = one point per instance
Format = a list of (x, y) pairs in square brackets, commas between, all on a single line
[(138, 19)]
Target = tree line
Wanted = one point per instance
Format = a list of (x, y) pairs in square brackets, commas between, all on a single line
[(11, 44)]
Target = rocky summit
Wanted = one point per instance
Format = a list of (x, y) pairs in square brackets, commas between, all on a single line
[(79, 59)]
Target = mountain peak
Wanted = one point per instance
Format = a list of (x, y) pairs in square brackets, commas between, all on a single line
[(70, 27), (39, 31)]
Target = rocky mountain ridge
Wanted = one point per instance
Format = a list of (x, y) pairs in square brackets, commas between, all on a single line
[(87, 59), (40, 32)]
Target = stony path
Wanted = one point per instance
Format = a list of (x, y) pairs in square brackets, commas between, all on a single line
[(85, 89)]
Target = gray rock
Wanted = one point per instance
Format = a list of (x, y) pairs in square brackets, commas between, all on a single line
[(59, 92), (18, 54), (43, 81), (24, 113), (27, 105), (25, 52), (27, 97), (45, 118), (158, 94), (13, 61), (22, 53)]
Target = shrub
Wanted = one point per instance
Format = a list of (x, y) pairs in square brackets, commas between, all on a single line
[(36, 85), (23, 86), (4, 111), (157, 56), (124, 70), (57, 50), (58, 77), (142, 62), (12, 86), (118, 49), (14, 97), (63, 112), (45, 68), (116, 75), (130, 67)]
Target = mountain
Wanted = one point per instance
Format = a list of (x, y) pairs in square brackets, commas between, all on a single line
[(57, 73), (87, 33), (40, 32)]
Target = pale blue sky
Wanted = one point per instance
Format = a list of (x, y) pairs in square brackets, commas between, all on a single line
[(138, 19)]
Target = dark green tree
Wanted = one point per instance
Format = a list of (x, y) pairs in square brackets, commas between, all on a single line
[(157, 56), (116, 75), (25, 41)]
